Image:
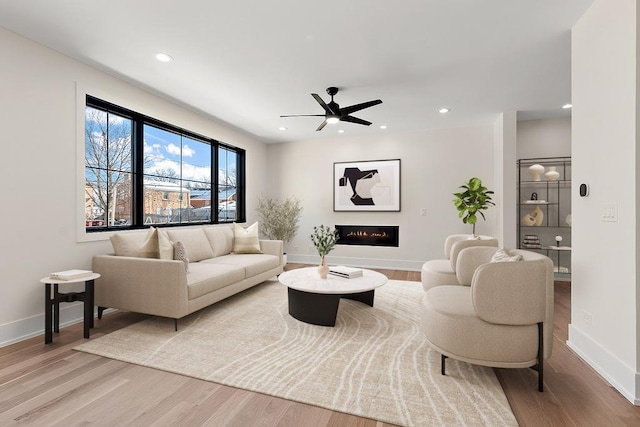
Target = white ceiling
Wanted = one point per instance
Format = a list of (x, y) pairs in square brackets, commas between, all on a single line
[(247, 62)]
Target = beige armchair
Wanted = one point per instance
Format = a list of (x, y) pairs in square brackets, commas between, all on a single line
[(439, 272), (501, 316)]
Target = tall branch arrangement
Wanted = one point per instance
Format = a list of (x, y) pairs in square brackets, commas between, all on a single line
[(279, 218)]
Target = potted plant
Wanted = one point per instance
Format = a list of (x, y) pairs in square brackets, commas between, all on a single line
[(472, 201), (279, 218), (324, 239)]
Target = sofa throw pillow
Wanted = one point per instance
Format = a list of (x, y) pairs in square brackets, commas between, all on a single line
[(136, 244), (180, 254), (246, 241), (165, 245), (503, 255), (194, 240)]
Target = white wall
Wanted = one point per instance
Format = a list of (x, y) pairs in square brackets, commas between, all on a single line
[(544, 138), (433, 165), (504, 160), (39, 171), (604, 314)]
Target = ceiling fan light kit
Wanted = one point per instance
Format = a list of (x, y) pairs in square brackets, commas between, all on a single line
[(334, 114)]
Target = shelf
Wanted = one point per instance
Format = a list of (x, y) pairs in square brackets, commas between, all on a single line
[(553, 198), (545, 226)]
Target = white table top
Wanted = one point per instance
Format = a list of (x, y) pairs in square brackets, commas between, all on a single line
[(308, 280), (51, 281)]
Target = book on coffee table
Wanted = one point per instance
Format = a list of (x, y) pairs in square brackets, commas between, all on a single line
[(342, 271), (70, 274)]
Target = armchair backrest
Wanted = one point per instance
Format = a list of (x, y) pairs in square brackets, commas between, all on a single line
[(516, 292), (458, 246)]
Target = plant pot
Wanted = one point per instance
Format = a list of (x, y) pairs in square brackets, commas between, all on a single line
[(323, 269)]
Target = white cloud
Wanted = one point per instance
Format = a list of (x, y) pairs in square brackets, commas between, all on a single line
[(187, 151), (172, 149)]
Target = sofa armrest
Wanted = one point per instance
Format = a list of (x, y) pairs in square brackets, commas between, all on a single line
[(143, 285), (273, 247)]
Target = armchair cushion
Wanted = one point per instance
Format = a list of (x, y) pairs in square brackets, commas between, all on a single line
[(452, 327)]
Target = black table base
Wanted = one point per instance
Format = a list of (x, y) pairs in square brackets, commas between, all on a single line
[(322, 309), (52, 308)]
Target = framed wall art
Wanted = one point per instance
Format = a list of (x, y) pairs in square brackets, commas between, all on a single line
[(372, 185)]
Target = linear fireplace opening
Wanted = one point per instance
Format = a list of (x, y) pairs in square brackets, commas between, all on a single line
[(368, 235)]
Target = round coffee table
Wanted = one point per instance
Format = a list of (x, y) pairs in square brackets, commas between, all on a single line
[(315, 300)]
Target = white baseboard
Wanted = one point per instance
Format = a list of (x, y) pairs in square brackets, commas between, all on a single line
[(20, 330), (616, 372), (391, 264)]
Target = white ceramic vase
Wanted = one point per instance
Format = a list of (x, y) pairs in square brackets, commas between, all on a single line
[(536, 171), (552, 174)]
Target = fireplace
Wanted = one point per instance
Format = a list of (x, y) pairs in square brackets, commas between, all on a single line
[(368, 235)]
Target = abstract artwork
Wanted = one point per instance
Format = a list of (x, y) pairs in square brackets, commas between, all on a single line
[(367, 186)]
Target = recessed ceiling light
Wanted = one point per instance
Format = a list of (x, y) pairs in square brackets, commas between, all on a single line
[(567, 106), (444, 110), (383, 126), (341, 131), (282, 128), (163, 57)]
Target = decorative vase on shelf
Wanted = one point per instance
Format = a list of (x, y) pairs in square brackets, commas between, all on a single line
[(536, 171), (323, 269), (552, 174), (533, 219)]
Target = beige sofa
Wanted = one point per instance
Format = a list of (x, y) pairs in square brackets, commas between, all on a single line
[(143, 276)]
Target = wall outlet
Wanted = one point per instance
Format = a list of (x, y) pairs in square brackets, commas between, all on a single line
[(423, 212), (587, 317), (312, 248)]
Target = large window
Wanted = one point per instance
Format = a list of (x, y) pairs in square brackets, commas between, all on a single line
[(141, 172)]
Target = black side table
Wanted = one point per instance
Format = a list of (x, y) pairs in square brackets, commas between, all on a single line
[(52, 304)]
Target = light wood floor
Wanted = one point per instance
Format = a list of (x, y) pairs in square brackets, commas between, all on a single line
[(53, 385)]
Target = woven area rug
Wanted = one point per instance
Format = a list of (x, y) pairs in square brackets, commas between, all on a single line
[(374, 363)]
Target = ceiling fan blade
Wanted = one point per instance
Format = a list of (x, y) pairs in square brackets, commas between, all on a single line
[(305, 115), (323, 124), (353, 108), (323, 104), (354, 120)]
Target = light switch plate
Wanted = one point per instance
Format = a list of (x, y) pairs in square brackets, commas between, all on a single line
[(610, 212)]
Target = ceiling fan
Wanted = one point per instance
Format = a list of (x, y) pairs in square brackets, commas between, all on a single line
[(333, 112)]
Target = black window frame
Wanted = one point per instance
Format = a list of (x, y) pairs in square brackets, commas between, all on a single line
[(137, 169)]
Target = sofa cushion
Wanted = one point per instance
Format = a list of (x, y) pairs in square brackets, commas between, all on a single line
[(165, 245), (195, 242), (252, 264), (246, 240), (220, 239), (140, 245), (204, 278)]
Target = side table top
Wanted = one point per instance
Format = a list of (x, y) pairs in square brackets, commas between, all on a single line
[(308, 280), (50, 281)]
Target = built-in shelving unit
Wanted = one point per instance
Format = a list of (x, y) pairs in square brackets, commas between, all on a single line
[(544, 211)]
